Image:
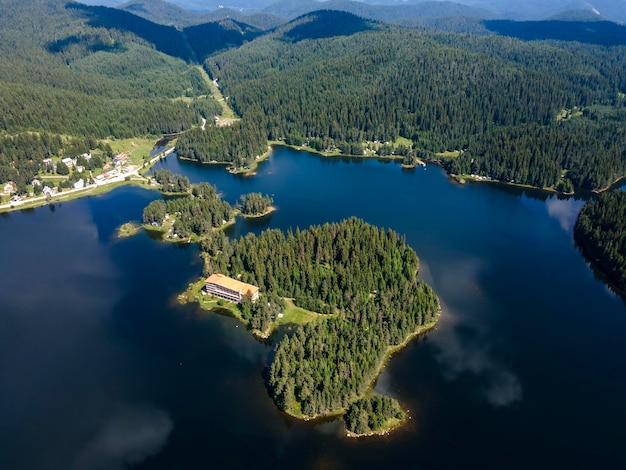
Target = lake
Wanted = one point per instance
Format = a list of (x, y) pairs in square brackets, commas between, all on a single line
[(100, 368)]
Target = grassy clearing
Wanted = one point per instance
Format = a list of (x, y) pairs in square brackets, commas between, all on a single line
[(137, 149), (292, 315), (228, 114), (566, 114), (298, 316), (52, 178), (448, 154), (128, 229), (403, 141)]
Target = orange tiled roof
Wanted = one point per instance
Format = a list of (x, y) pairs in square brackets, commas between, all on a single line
[(232, 284)]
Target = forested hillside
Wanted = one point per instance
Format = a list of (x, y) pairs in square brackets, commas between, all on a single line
[(545, 113), (600, 231), (551, 106), (71, 70)]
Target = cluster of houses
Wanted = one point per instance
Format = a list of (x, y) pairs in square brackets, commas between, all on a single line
[(68, 161), (117, 167)]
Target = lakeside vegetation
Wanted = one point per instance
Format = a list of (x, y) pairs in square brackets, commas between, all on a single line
[(171, 183), (600, 232), (255, 204), (73, 82), (494, 101), (361, 277), (193, 215), (127, 230), (349, 292), (487, 107), (376, 414)]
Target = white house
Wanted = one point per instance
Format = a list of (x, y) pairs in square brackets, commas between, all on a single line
[(10, 187)]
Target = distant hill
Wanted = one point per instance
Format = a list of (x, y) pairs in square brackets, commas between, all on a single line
[(389, 13), (260, 20), (525, 10), (604, 33), (166, 39), (159, 11), (324, 24), (193, 43), (207, 38), (577, 15)]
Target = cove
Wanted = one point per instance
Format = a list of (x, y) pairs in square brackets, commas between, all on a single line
[(101, 368)]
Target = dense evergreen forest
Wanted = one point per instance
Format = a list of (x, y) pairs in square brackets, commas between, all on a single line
[(196, 214), (369, 415), (363, 277), (254, 203), (476, 94), (239, 144), (600, 231), (170, 182), (22, 156)]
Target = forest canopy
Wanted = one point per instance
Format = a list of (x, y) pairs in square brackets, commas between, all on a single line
[(495, 100), (600, 231), (362, 277)]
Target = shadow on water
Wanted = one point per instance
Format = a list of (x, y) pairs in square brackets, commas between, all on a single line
[(601, 276)]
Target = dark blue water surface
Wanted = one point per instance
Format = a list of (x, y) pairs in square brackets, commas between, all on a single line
[(100, 368)]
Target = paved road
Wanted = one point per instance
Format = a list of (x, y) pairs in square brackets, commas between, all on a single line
[(87, 189)]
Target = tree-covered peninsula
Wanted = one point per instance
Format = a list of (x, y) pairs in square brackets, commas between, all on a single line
[(362, 281), (600, 231)]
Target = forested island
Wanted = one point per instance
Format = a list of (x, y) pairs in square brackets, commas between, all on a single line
[(193, 211), (189, 216), (255, 204), (361, 281), (600, 231)]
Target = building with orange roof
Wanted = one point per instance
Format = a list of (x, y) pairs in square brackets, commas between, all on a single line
[(230, 289)]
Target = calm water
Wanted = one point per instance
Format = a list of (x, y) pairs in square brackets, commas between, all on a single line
[(100, 368)]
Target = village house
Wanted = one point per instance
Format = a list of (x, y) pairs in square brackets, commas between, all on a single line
[(230, 289), (68, 161), (10, 187), (80, 184)]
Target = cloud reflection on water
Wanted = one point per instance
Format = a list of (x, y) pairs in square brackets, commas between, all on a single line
[(463, 343), (126, 438), (565, 211)]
